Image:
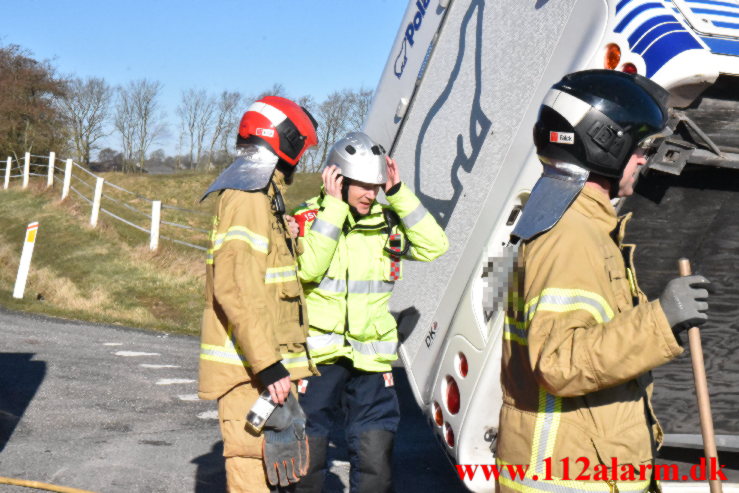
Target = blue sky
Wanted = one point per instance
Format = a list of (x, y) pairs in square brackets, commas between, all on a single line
[(309, 46)]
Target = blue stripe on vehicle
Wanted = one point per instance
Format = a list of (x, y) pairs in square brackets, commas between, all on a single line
[(666, 48), (631, 15), (655, 33), (727, 25), (649, 24), (724, 13), (714, 2), (722, 46), (621, 5)]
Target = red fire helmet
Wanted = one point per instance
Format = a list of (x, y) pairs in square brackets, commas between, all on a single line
[(288, 128)]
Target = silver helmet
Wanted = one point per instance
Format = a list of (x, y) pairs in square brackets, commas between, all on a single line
[(359, 158)]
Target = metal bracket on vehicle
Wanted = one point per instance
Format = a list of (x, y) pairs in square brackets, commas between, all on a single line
[(671, 156), (674, 153), (491, 436)]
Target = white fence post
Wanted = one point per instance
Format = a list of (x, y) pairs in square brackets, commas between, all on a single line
[(156, 212), (7, 172), (25, 264), (50, 177), (67, 179), (96, 202), (26, 169)]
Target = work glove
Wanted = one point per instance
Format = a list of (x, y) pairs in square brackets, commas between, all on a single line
[(683, 302), (285, 444)]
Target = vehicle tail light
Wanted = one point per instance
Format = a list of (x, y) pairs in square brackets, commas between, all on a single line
[(449, 435), (462, 366), (438, 416), (612, 56), (629, 68), (452, 395)]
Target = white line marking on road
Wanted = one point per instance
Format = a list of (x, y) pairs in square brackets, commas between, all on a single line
[(134, 353), (113, 344), (171, 381), (145, 365), (208, 415), (188, 397)]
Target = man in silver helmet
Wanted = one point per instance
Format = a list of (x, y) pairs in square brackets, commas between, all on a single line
[(352, 251), (580, 337)]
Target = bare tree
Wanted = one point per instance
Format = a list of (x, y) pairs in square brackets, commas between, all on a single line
[(362, 99), (196, 111), (86, 105), (277, 89), (139, 119), (149, 118), (333, 117), (310, 161), (124, 122), (341, 112), (227, 113)]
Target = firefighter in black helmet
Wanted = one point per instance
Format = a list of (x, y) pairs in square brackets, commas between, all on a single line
[(580, 337)]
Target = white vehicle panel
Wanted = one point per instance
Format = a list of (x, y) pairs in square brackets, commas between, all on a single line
[(458, 120)]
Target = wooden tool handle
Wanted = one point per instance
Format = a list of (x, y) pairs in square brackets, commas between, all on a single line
[(701, 391)]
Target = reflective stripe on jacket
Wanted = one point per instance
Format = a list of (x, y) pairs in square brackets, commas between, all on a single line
[(348, 276), (580, 339), (252, 318)]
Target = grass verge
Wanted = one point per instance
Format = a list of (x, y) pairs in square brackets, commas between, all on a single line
[(107, 274)]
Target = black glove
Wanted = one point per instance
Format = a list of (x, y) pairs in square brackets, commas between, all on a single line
[(285, 444), (683, 302)]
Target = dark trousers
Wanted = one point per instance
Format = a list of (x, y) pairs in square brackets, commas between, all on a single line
[(369, 404)]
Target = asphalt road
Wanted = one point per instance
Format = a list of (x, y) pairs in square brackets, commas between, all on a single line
[(111, 409)]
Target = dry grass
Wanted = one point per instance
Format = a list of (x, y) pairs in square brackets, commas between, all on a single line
[(108, 274)]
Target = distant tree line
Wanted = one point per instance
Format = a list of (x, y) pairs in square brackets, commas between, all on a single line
[(41, 111)]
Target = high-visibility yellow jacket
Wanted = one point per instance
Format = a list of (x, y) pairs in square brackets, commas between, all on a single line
[(348, 276), (254, 307), (579, 342)]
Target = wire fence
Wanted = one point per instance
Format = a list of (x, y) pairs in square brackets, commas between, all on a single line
[(187, 227)]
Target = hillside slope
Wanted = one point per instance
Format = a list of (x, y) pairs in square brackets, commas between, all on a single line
[(108, 274)]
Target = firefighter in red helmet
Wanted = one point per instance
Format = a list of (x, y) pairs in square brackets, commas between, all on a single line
[(254, 323)]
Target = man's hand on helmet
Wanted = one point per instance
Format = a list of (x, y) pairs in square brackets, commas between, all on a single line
[(393, 176), (332, 181)]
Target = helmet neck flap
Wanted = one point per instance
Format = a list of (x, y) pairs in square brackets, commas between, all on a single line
[(251, 170)]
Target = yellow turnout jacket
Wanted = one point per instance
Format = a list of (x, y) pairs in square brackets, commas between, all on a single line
[(580, 340), (254, 311)]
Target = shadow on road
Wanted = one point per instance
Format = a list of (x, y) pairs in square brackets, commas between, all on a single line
[(419, 463), (20, 379), (210, 476)]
